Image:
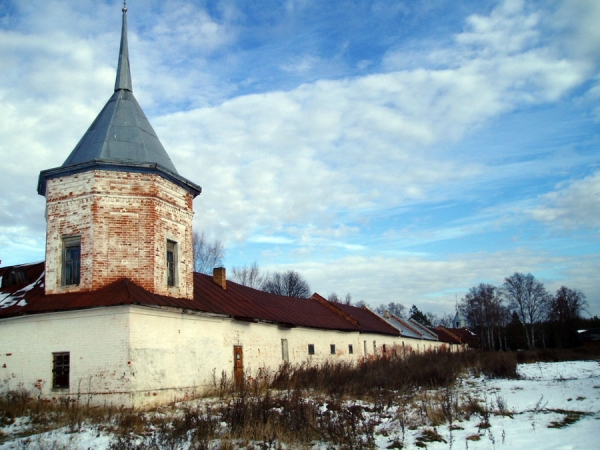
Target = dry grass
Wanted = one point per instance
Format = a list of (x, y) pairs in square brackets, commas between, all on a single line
[(337, 404)]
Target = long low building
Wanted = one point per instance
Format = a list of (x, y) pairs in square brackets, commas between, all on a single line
[(128, 346)]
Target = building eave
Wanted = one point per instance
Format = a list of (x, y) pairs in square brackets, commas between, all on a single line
[(120, 166)]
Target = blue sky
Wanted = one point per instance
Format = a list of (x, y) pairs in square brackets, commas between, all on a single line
[(397, 151)]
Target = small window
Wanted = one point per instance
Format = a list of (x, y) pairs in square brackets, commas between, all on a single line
[(350, 349), (71, 260), (60, 370), (171, 263), (311, 349), (332, 349)]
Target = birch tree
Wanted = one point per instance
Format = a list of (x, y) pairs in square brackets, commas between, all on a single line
[(528, 297)]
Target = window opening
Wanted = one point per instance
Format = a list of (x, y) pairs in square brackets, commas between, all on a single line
[(60, 370), (350, 349), (171, 262), (71, 260), (311, 349), (332, 349)]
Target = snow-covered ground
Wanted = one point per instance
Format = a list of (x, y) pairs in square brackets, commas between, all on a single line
[(535, 408), (552, 406)]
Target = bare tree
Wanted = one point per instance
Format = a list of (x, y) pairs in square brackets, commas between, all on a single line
[(249, 276), (348, 299), (333, 297), (396, 309), (528, 297), (289, 283), (447, 320), (484, 310), (207, 255), (565, 310), (567, 305)]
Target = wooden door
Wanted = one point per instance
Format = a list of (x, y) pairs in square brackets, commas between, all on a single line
[(238, 365)]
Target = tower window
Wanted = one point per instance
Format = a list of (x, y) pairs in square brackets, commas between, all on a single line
[(60, 370), (171, 263), (71, 260)]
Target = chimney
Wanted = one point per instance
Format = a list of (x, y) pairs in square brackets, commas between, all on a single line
[(219, 277)]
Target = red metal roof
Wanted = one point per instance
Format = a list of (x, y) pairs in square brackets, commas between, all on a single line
[(446, 335), (237, 301), (368, 320)]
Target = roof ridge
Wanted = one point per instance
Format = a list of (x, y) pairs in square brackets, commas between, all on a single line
[(335, 309), (381, 319)]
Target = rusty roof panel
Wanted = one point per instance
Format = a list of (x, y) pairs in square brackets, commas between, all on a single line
[(369, 321), (446, 335), (237, 301), (245, 302)]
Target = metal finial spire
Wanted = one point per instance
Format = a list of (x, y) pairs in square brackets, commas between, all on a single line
[(123, 80)]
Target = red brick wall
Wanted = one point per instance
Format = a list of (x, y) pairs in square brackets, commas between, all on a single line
[(124, 220)]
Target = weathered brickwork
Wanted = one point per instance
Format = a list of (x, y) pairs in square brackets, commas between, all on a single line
[(124, 220)]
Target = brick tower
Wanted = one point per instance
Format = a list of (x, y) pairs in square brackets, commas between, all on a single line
[(117, 208)]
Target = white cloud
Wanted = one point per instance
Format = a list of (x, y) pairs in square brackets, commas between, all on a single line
[(317, 167), (432, 283), (573, 205)]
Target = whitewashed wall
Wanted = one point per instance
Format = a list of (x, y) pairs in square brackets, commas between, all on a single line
[(140, 356), (98, 344)]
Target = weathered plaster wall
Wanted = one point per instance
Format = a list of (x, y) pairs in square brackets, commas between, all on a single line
[(98, 344), (175, 354), (140, 356)]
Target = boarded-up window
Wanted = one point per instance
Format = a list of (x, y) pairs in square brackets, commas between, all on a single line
[(71, 260), (284, 350), (60, 370)]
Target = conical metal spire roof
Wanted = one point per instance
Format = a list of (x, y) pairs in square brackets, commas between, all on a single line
[(121, 137), (123, 80)]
